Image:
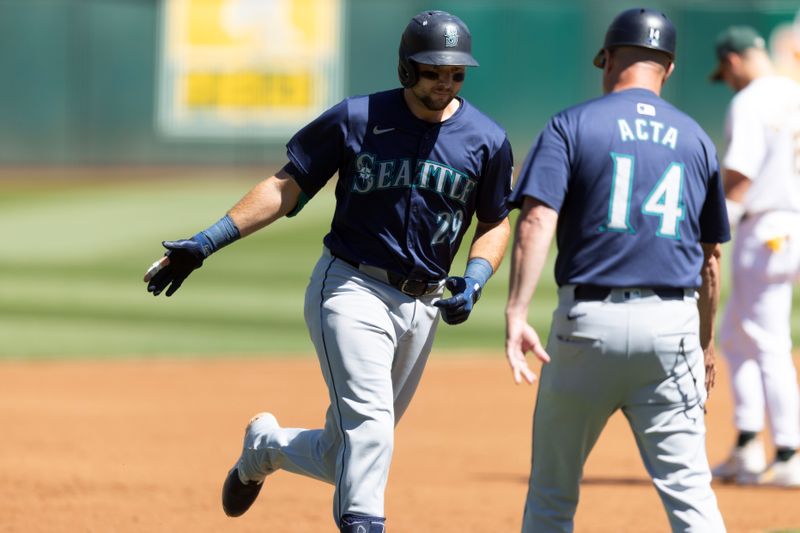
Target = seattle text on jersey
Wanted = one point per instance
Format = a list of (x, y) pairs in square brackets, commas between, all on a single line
[(372, 175)]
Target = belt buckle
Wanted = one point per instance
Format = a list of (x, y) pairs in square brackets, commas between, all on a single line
[(404, 287)]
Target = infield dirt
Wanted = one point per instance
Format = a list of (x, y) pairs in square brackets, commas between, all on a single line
[(144, 445)]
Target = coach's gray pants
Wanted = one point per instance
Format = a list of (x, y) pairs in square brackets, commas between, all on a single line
[(372, 342), (637, 353)]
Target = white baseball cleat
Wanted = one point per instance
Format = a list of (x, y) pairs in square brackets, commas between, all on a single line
[(240, 490), (744, 465), (782, 473)]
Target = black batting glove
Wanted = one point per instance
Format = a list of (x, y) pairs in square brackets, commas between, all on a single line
[(180, 260), (466, 291)]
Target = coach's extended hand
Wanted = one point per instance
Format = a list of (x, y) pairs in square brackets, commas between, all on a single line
[(181, 259)]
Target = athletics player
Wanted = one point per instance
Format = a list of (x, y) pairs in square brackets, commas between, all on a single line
[(761, 175), (415, 164), (631, 188)]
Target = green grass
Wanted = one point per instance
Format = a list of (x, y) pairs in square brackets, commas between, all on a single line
[(72, 259), (73, 254)]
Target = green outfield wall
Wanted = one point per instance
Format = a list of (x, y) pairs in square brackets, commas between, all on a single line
[(80, 77)]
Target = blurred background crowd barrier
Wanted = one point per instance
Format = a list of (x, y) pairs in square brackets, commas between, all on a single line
[(148, 82)]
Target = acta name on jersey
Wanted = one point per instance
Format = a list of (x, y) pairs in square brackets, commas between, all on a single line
[(372, 175), (647, 130)]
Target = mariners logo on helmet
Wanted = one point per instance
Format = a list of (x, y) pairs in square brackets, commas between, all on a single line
[(450, 36)]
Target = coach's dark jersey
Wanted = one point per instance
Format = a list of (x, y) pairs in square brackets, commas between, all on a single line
[(407, 188), (637, 187)]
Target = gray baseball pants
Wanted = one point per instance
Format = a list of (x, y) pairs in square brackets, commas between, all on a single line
[(372, 342), (634, 352)]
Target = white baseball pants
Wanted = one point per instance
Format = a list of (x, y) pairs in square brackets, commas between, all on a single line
[(755, 335)]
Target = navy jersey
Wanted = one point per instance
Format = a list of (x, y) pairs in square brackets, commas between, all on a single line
[(637, 186), (407, 188)]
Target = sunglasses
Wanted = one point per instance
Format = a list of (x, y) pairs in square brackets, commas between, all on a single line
[(433, 75)]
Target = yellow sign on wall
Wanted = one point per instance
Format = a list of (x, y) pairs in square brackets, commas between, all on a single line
[(247, 68)]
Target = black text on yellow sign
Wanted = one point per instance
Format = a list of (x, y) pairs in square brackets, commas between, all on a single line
[(248, 90)]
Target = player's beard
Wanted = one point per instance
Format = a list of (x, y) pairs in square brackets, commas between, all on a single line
[(434, 103)]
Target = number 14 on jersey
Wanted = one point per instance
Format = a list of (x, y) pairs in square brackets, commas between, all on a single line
[(663, 201)]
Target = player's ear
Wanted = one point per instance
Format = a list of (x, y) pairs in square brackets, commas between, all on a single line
[(607, 61), (734, 61), (670, 69)]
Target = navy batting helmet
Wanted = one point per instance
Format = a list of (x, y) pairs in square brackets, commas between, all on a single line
[(645, 28), (434, 38)]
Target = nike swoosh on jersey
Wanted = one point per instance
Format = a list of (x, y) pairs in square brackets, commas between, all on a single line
[(377, 131)]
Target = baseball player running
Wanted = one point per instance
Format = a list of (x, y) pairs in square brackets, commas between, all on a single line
[(762, 183), (415, 164), (631, 188)]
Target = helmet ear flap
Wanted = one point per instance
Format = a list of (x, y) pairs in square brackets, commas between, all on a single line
[(407, 72)]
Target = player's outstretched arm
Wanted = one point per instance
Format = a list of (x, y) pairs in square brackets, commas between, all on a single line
[(535, 228), (266, 202), (485, 255)]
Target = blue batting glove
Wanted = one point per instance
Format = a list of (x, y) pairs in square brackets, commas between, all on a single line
[(185, 256), (466, 291), (181, 259)]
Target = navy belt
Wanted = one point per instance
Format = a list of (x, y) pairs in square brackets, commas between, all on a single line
[(408, 286), (597, 293)]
